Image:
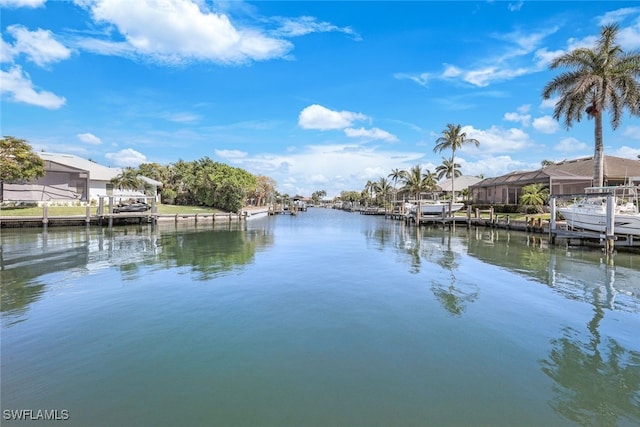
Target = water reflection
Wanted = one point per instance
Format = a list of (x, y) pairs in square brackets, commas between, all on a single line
[(572, 272), (596, 384), (28, 255)]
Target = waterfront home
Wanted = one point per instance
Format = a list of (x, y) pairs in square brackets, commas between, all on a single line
[(69, 178), (566, 177), (458, 184)]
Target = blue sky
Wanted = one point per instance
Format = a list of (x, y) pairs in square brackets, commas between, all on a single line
[(317, 95)]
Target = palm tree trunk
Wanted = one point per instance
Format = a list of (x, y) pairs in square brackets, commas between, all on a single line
[(598, 156)]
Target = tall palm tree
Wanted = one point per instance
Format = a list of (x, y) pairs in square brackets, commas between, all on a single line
[(382, 189), (368, 191), (601, 78), (415, 181), (453, 139), (448, 169), (396, 175)]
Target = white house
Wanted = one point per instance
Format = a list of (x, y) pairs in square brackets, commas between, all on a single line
[(71, 178)]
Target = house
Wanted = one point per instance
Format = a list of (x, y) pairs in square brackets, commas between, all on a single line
[(566, 177), (70, 178), (458, 184)]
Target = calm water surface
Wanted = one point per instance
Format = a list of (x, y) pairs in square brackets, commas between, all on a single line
[(323, 319)]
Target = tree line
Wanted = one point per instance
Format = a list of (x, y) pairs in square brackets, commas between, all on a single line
[(202, 182)]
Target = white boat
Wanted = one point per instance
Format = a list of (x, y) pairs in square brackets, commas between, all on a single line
[(589, 212), (432, 207)]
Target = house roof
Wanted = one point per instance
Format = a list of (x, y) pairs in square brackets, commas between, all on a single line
[(578, 169), (459, 183), (97, 172)]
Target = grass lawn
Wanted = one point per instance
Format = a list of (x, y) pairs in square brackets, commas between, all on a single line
[(81, 210)]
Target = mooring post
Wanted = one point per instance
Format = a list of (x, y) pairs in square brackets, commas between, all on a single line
[(87, 219), (610, 222), (45, 213), (552, 220), (110, 211), (154, 210)]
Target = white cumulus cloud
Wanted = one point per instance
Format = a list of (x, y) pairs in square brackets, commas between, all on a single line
[(570, 145), (89, 138), (17, 86), (546, 124), (126, 157), (38, 46), (497, 139), (318, 117), (178, 31)]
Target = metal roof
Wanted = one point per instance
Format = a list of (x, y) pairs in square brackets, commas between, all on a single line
[(578, 169), (97, 172)]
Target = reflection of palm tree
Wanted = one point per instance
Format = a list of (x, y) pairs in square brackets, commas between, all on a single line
[(594, 386), (452, 297)]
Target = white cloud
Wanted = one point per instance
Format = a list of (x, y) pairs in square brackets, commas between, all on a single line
[(549, 103), (318, 117), (422, 79), (497, 139), (617, 15), (294, 27), (126, 157), (39, 46), (22, 3), (331, 167), (519, 117), (546, 124), (176, 31), (570, 145), (628, 152), (89, 138), (230, 154), (495, 166), (484, 76), (545, 56), (6, 51), (632, 132), (17, 87), (373, 133)]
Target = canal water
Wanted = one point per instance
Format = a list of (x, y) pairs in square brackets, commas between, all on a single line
[(326, 318)]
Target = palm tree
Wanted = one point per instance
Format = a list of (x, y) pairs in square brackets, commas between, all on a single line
[(367, 193), (448, 169), (601, 78), (453, 139), (382, 189), (415, 181), (128, 179), (534, 195), (396, 175)]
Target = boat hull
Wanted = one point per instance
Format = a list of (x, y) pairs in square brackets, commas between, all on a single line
[(627, 224), (433, 208)]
